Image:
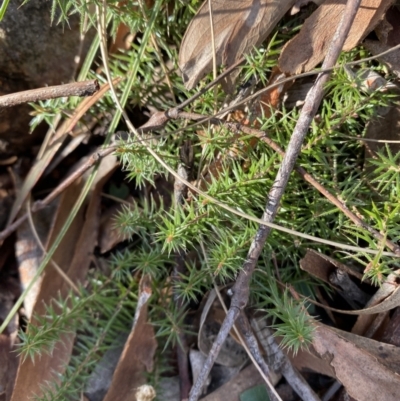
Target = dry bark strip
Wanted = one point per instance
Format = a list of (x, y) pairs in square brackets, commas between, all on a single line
[(368, 369)]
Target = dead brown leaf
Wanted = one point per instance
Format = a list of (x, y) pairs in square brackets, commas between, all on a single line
[(73, 256), (309, 47), (365, 376), (238, 26), (385, 291), (138, 352), (387, 354), (308, 360)]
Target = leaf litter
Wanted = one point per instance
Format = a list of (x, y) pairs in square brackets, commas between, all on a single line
[(366, 367)]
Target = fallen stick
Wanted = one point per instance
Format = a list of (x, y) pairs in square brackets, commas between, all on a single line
[(84, 88), (312, 102)]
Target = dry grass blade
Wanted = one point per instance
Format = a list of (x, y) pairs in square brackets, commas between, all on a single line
[(40, 166), (73, 256)]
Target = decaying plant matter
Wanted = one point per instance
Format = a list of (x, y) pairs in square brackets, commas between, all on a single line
[(211, 245)]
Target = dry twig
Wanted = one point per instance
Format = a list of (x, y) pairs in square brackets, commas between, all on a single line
[(263, 136), (281, 363), (312, 102), (84, 88), (42, 203)]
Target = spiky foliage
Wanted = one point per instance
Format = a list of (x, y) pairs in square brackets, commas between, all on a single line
[(332, 153)]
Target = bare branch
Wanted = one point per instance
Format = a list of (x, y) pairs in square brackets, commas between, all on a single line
[(282, 363), (42, 203), (252, 344), (312, 102), (84, 88), (263, 136)]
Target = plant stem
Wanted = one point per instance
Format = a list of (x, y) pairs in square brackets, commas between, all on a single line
[(312, 102)]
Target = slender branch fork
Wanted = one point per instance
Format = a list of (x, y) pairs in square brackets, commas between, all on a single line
[(241, 287)]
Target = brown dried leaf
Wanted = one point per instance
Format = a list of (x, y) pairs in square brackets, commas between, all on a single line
[(387, 354), (365, 376), (239, 25), (56, 141), (73, 256), (307, 360), (309, 47), (138, 353), (384, 292)]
